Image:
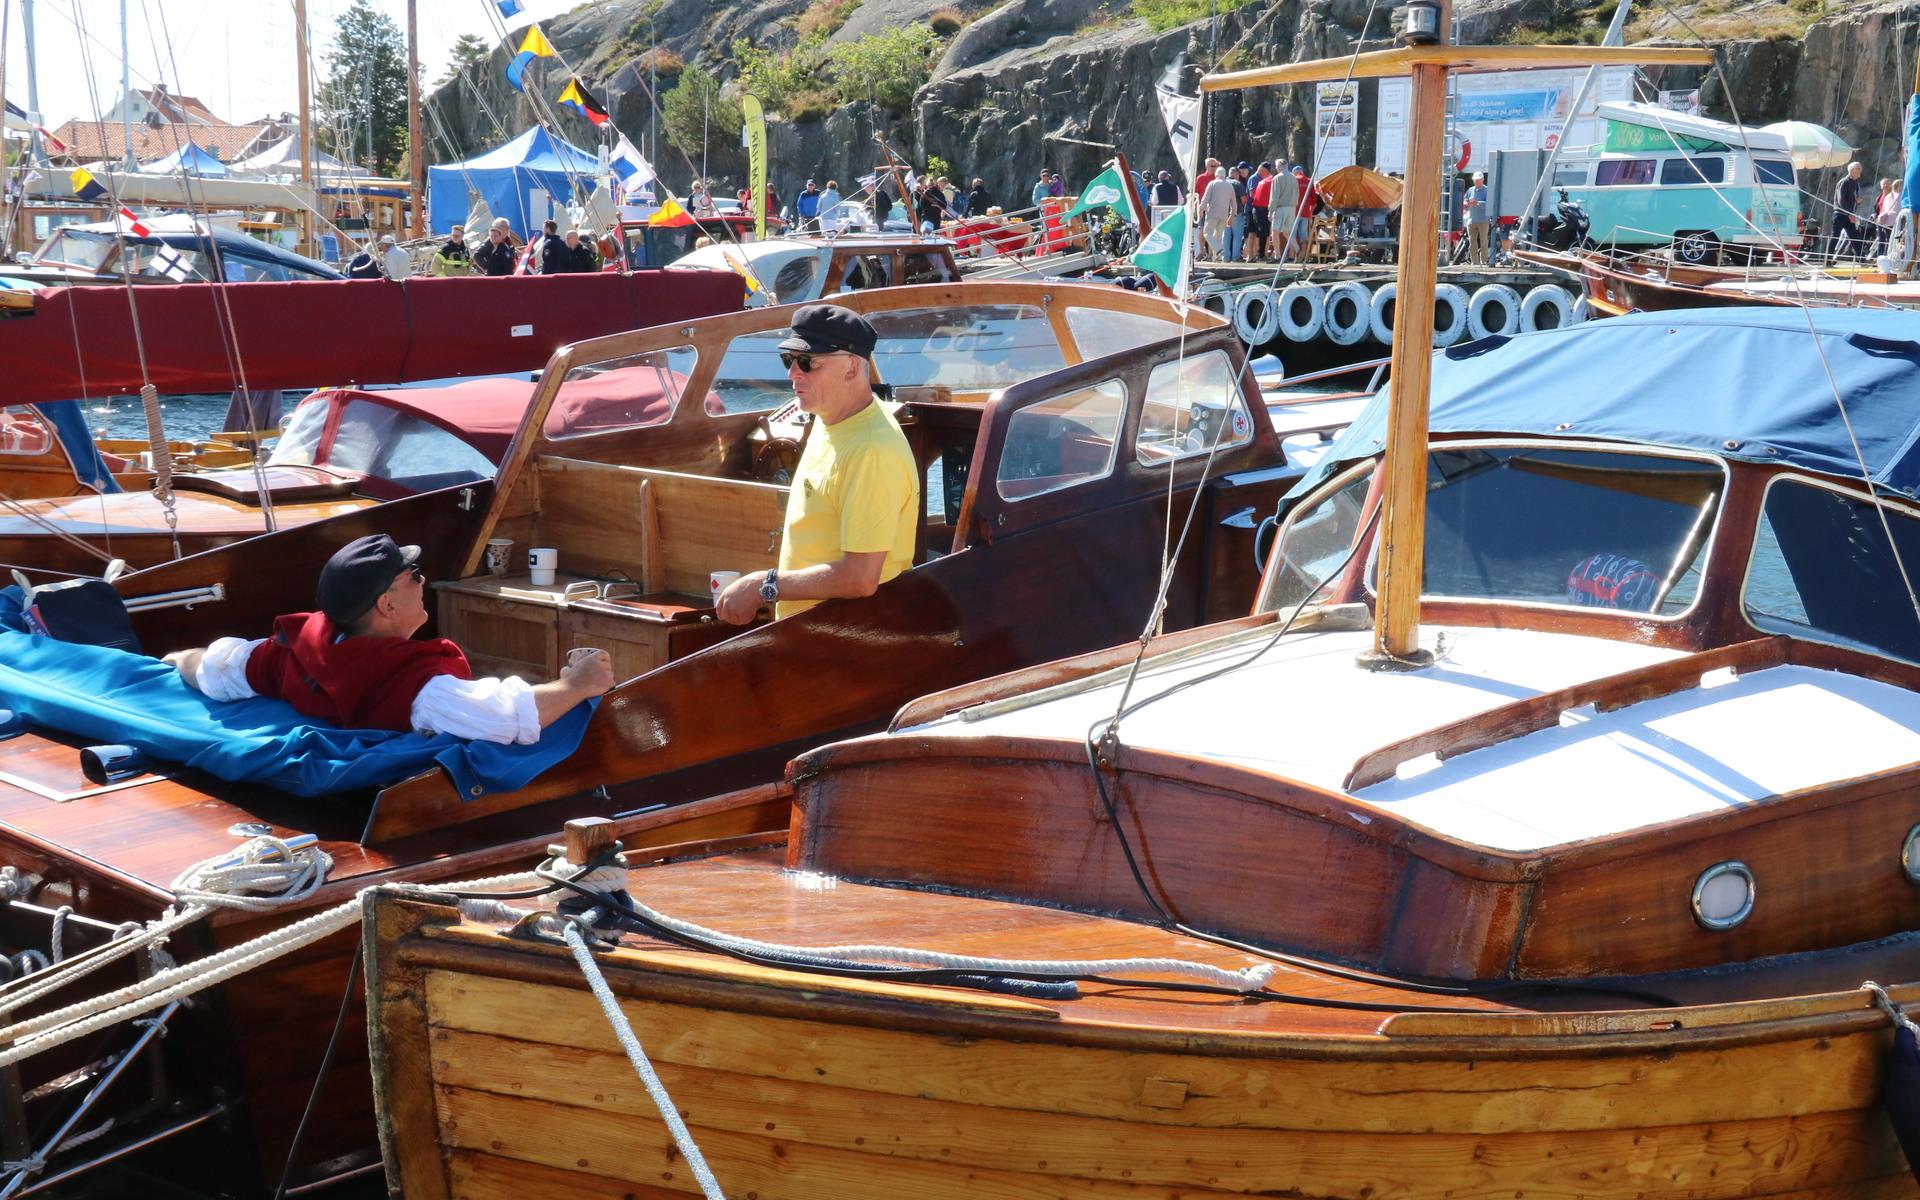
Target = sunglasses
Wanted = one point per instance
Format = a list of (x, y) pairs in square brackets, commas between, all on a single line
[(806, 362)]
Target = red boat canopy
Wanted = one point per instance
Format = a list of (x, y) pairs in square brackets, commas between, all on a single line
[(79, 341)]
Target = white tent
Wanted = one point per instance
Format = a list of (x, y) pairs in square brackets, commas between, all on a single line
[(283, 158)]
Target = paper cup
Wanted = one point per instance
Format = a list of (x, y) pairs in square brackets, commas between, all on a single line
[(499, 553), (718, 582), (542, 562)]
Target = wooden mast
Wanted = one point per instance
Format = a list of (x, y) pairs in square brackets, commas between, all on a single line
[(416, 149), (305, 132), (1396, 631)]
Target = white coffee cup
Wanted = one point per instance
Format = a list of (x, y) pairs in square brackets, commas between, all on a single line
[(718, 582), (579, 652), (542, 562), (499, 553)]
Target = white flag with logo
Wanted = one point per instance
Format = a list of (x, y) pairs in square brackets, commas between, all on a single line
[(1181, 112)]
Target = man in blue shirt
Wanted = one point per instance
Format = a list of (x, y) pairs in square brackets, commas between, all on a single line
[(807, 206)]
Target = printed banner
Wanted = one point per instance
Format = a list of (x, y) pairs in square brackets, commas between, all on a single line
[(756, 135)]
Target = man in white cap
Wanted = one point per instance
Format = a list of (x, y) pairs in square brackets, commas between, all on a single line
[(1479, 222), (395, 261)]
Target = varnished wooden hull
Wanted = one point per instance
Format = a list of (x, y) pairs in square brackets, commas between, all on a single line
[(498, 1076)]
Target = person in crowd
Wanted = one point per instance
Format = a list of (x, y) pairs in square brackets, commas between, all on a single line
[(1218, 207), (829, 207), (699, 199), (356, 663), (772, 204), (1303, 215), (364, 264), (1283, 203), (1237, 228), (1844, 237), (1205, 177), (855, 502), (450, 257), (1166, 193), (882, 205), (495, 255), (1043, 188), (806, 206), (581, 257), (1259, 227), (979, 199), (1885, 205), (1056, 184), (554, 258), (1478, 215), (931, 209), (396, 264)]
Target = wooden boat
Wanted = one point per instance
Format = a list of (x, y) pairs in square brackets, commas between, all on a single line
[(1577, 898), (1042, 541)]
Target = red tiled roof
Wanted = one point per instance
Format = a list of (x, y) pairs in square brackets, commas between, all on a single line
[(90, 140)]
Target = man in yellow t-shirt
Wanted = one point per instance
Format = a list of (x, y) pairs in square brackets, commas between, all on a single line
[(855, 503)]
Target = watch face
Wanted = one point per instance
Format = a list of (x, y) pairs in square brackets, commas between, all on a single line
[(769, 592)]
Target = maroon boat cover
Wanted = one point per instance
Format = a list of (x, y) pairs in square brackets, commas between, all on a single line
[(196, 337)]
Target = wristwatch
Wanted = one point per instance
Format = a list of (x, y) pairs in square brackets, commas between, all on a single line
[(770, 586)]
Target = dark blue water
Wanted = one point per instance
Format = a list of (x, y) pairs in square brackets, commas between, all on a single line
[(187, 418)]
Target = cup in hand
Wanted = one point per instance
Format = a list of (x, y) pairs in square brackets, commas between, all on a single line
[(499, 551), (542, 562), (578, 653), (718, 582)]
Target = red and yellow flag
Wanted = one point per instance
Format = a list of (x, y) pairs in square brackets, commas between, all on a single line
[(671, 214)]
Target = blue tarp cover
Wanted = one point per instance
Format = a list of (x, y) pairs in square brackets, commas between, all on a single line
[(110, 696), (1744, 383), (507, 177), (192, 157)]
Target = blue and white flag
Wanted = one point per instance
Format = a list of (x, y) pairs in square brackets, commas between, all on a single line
[(509, 9)]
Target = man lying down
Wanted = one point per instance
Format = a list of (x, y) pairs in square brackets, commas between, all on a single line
[(356, 664)]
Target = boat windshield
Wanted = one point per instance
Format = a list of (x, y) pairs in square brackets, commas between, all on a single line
[(1533, 525), (372, 439), (1822, 570), (80, 250), (23, 432)]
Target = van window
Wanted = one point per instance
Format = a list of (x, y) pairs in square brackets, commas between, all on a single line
[(1773, 170), (1574, 176), (1693, 170), (1623, 172)]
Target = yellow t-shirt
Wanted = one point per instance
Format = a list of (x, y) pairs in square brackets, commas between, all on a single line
[(855, 491)]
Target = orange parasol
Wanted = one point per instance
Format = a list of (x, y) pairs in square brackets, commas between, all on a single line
[(1360, 187)]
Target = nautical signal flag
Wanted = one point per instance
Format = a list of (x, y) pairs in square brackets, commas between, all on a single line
[(534, 45), (671, 214), (580, 100), (85, 185), (508, 8)]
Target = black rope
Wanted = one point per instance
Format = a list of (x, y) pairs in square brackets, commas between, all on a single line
[(320, 1077)]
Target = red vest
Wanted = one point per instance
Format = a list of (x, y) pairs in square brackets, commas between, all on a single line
[(358, 683)]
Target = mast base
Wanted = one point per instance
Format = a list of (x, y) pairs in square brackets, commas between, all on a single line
[(1380, 660)]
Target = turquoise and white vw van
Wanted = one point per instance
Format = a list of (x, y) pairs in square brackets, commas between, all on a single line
[(1667, 178)]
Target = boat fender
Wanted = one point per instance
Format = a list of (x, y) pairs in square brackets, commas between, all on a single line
[(1348, 312), (1449, 314), (1303, 312), (1256, 316), (1219, 304), (1546, 307), (1377, 320), (1582, 310), (1900, 1088), (1494, 311)]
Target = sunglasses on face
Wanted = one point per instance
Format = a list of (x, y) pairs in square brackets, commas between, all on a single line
[(806, 362)]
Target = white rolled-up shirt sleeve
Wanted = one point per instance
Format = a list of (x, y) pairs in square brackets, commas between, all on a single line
[(491, 710), (223, 669)]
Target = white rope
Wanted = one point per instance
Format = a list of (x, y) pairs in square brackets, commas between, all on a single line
[(266, 873), (637, 1055)]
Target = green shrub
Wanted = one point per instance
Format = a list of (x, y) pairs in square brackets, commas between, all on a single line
[(1162, 15), (886, 67), (815, 105), (663, 61), (697, 112), (947, 21), (778, 76)]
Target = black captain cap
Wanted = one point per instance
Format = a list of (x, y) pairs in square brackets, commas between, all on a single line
[(358, 573), (825, 328)]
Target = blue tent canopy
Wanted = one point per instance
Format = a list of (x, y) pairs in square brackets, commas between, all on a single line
[(508, 177), (190, 157), (1749, 384)]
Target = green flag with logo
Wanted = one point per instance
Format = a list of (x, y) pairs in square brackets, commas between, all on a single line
[(1159, 251), (1108, 189)]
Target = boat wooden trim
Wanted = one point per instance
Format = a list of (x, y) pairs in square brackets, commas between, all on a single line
[(1376, 64)]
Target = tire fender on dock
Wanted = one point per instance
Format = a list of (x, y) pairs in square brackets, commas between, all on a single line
[(1494, 311), (1377, 319), (1449, 314), (1256, 315), (1220, 304), (1348, 312), (1547, 306), (1302, 311)]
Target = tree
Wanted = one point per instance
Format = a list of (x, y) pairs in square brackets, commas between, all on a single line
[(469, 49), (363, 100), (703, 122)]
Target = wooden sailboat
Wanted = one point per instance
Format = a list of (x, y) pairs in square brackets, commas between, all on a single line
[(674, 474), (1572, 891)]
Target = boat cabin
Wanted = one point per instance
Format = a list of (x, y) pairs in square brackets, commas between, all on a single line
[(794, 270), (178, 249)]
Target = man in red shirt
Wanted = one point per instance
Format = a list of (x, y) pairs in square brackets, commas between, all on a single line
[(356, 663), (1259, 227)]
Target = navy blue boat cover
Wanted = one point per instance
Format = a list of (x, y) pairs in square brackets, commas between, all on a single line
[(111, 696), (1743, 383)]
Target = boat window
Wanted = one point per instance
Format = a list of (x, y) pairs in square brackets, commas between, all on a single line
[(924, 268), (1821, 569), (630, 392), (1623, 172), (1570, 176), (1193, 406), (750, 377), (83, 250), (1693, 170), (1314, 542), (798, 279), (190, 259), (1547, 525), (373, 439), (1099, 332), (868, 271), (23, 432), (964, 349), (44, 223), (299, 441), (1774, 170), (1061, 441)]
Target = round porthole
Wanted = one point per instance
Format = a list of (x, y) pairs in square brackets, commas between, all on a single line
[(1910, 854), (1723, 895)]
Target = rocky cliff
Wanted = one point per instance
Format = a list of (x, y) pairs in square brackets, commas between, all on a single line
[(1064, 83)]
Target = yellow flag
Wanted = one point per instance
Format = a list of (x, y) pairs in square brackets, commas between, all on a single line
[(745, 272), (671, 214), (536, 43)]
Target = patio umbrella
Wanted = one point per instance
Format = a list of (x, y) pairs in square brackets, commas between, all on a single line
[(1360, 187), (1811, 146)]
